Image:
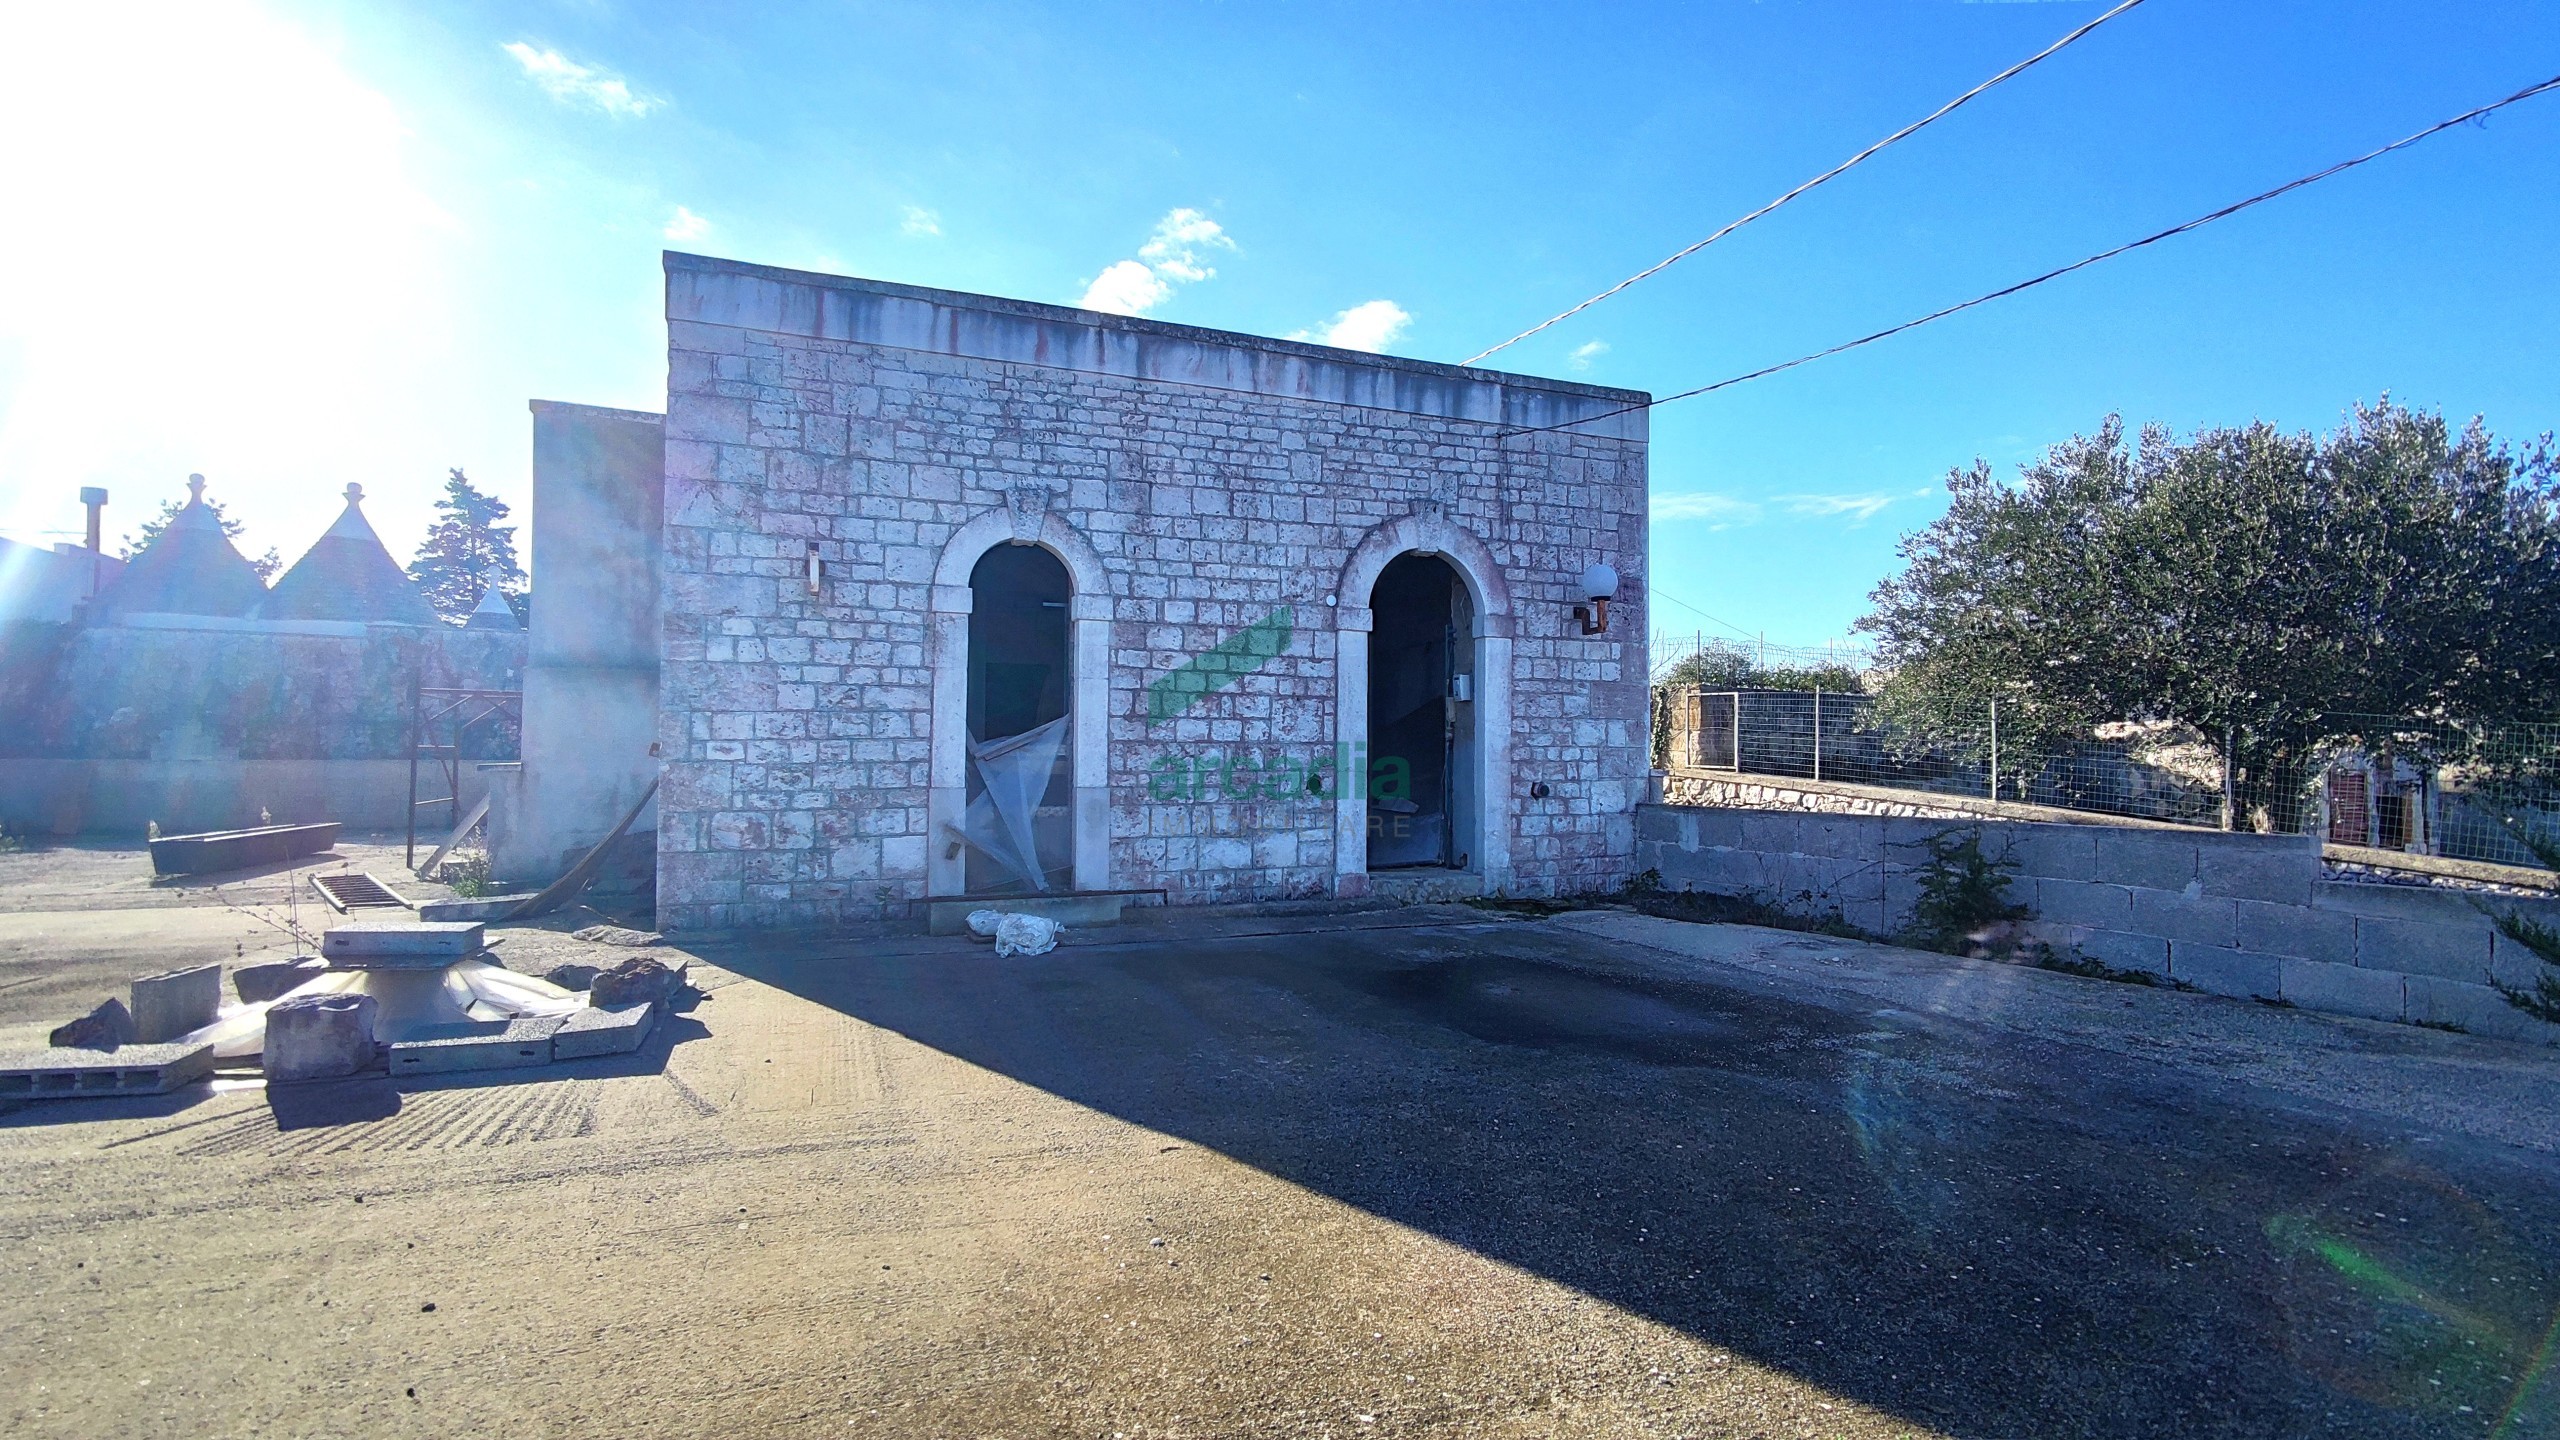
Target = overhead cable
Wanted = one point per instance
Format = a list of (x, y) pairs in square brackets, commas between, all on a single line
[(1834, 172), (2153, 239)]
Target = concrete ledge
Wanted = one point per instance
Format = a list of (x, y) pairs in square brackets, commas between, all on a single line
[(486, 907)]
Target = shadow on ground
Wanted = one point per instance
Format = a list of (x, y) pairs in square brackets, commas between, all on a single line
[(1980, 1232)]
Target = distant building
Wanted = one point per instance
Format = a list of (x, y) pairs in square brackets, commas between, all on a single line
[(50, 585), (346, 575), (189, 569)]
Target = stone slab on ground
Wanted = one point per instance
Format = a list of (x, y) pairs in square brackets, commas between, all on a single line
[(320, 1037), (126, 1070), (168, 1006), (951, 917), (499, 1046), (485, 907), (602, 1032), (402, 944)]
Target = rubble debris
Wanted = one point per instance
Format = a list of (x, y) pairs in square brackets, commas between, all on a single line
[(275, 979), (572, 976), (503, 1045), (320, 1037), (105, 1028), (126, 1070), (617, 935), (177, 1003), (402, 944), (639, 980), (593, 1031)]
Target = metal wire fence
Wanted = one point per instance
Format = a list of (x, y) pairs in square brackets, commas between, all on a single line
[(2382, 782)]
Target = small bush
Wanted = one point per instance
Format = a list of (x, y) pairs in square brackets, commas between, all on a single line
[(467, 873), (1964, 906)]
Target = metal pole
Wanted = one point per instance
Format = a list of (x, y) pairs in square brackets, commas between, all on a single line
[(1995, 750), (411, 863), (1817, 732), (2230, 741)]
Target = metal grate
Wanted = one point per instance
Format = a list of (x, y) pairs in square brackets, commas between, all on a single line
[(347, 892)]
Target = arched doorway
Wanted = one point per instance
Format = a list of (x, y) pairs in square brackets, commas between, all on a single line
[(1423, 809), (1017, 805)]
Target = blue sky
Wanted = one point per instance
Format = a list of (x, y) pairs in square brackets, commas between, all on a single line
[(293, 244)]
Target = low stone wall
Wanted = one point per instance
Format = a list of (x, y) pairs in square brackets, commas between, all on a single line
[(60, 799), (2240, 915), (1726, 790)]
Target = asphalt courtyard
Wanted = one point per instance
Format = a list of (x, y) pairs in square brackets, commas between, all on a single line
[(1423, 1172)]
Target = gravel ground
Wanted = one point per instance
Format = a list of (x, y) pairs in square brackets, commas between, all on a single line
[(1432, 1171)]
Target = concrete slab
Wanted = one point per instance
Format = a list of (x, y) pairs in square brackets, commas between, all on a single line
[(401, 944), (602, 1032), (125, 1070), (507, 1046), (168, 1006), (487, 907)]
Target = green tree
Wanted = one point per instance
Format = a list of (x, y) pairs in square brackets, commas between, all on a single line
[(465, 548), (2244, 581), (149, 530)]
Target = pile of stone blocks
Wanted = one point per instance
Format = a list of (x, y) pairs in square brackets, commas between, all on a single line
[(125, 1050)]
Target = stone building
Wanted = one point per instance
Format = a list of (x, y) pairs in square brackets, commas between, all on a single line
[(968, 595)]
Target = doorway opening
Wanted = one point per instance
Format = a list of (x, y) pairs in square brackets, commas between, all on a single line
[(1422, 742), (1019, 819)]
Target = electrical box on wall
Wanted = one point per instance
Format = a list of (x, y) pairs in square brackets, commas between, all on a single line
[(1462, 686)]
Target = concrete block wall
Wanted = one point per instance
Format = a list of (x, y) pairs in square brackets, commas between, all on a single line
[(1195, 483), (2238, 915)]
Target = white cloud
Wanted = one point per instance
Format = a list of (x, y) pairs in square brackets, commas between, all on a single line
[(1586, 352), (685, 225), (1371, 325), (1176, 254), (917, 220), (1860, 508), (571, 83), (1182, 239), (1721, 512), (1125, 287)]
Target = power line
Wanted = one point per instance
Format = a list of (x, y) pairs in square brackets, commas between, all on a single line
[(1834, 172), (2197, 223)]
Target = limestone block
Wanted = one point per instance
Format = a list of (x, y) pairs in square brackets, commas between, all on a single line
[(2221, 970), (2052, 852), (2201, 920), (2342, 989), (2458, 952), (319, 1037), (168, 1006), (2474, 1009), (639, 980), (2151, 859), (2122, 950), (496, 1045), (256, 984), (402, 944), (2077, 902), (2302, 930), (591, 1032), (2278, 868)]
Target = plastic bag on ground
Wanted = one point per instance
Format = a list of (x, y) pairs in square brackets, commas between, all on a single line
[(1026, 935)]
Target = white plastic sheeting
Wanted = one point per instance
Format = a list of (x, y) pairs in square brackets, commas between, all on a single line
[(1016, 934), (1013, 772), (406, 1001)]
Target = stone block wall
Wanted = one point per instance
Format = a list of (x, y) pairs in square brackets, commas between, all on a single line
[(1195, 484), (2239, 915)]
